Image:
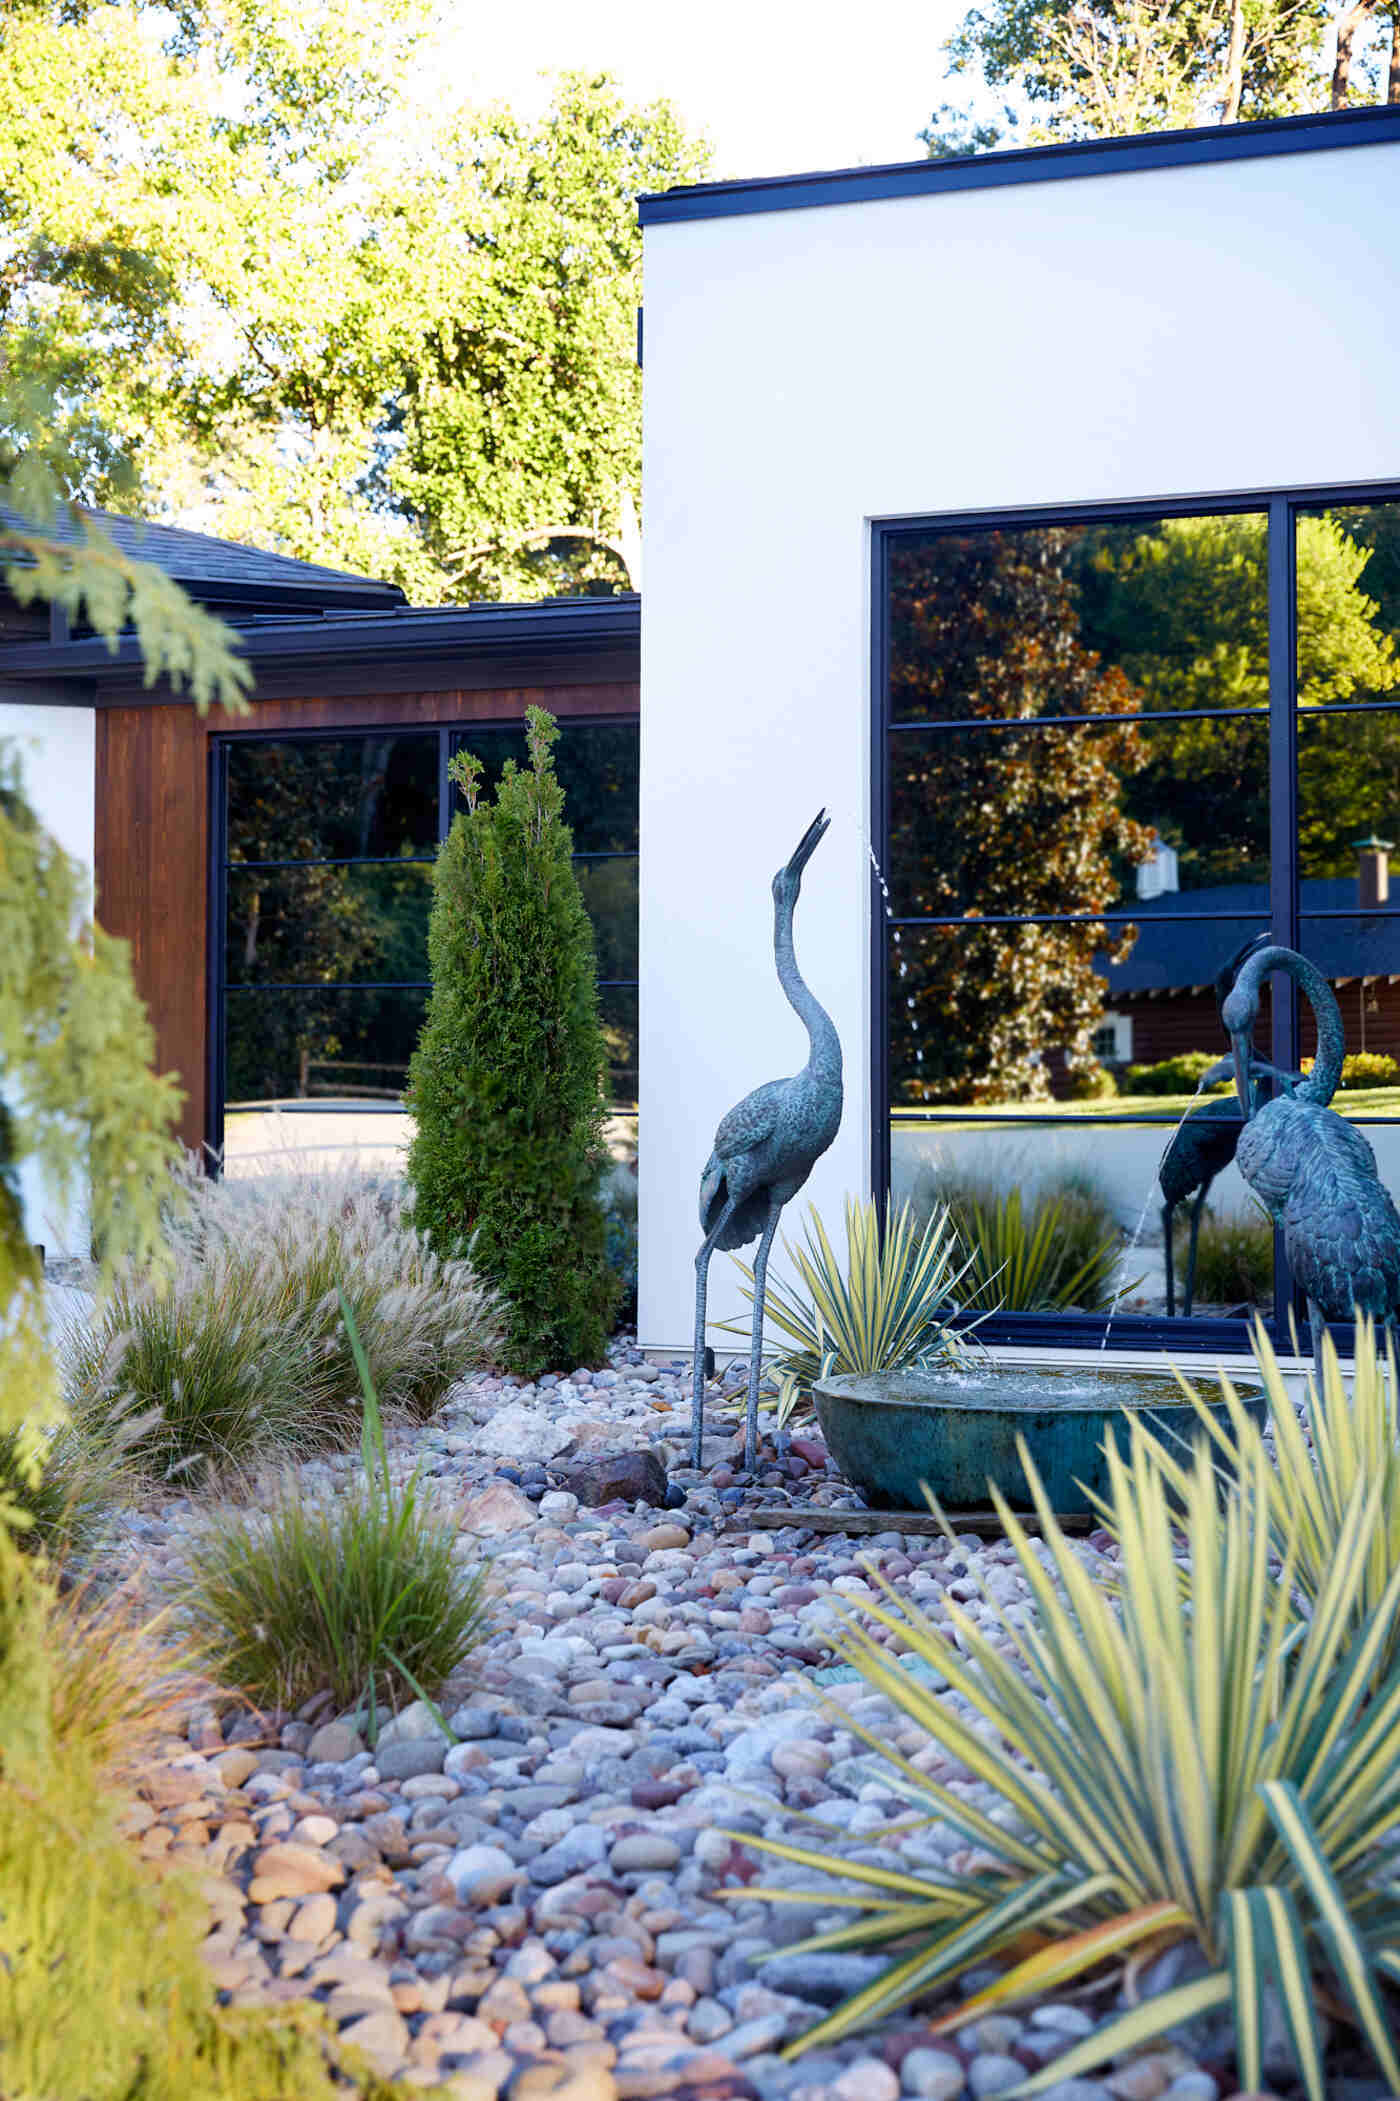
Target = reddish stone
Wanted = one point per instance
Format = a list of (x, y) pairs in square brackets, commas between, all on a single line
[(657, 1794)]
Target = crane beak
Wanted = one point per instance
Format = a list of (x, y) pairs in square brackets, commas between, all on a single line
[(1223, 1069), (808, 844)]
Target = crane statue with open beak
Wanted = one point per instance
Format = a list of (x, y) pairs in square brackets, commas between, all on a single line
[(767, 1145)]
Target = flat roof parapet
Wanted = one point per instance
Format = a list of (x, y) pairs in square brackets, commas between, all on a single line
[(1322, 132)]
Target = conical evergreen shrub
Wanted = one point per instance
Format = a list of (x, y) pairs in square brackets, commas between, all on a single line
[(506, 1083)]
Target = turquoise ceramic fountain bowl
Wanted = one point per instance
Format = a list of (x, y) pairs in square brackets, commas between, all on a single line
[(893, 1431)]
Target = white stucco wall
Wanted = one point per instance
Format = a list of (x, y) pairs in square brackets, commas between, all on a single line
[(1195, 330), (56, 748)]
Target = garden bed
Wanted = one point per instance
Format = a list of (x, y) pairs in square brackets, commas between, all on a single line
[(547, 1891)]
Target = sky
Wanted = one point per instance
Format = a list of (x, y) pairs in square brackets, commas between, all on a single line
[(778, 87)]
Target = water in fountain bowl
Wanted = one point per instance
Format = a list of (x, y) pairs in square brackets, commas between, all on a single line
[(892, 1432)]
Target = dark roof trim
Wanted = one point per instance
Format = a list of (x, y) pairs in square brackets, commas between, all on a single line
[(986, 171), (472, 646)]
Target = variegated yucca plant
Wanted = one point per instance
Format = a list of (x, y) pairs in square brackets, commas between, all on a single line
[(888, 1306), (1351, 1438), (1177, 1760)]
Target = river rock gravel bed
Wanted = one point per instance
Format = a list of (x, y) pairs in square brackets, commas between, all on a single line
[(547, 1906)]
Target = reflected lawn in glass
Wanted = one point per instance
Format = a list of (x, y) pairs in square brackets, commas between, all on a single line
[(996, 1016)]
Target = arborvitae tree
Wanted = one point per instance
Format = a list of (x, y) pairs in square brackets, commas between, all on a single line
[(506, 1082)]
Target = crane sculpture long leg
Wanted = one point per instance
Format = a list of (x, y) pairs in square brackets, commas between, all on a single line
[(1188, 1291), (760, 1281), (702, 1277)]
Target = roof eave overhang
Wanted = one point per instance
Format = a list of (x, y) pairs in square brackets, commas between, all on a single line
[(586, 641)]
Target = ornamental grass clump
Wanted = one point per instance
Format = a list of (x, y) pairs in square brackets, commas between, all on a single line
[(60, 1493), (1179, 1760), (365, 1596), (236, 1349), (1234, 1257), (888, 1306)]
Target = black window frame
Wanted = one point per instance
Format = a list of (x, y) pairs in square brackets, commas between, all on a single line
[(449, 734), (1282, 507)]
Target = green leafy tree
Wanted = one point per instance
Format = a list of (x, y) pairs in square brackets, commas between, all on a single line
[(325, 306), (1073, 69), (506, 1083), (1184, 609), (1024, 819)]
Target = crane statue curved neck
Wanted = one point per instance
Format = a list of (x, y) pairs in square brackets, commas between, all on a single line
[(1241, 1010), (824, 1060)]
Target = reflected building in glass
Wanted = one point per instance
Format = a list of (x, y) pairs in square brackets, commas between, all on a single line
[(1101, 777)]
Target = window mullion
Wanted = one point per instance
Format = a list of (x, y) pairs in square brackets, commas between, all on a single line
[(1283, 816)]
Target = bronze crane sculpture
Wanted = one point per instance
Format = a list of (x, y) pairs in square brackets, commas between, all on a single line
[(1202, 1147), (1314, 1171), (767, 1145)]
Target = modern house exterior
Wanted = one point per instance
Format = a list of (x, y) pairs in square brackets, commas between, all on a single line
[(1036, 514), (271, 870), (1046, 506)]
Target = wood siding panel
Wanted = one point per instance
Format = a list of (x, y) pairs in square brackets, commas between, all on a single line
[(152, 832), (151, 851)]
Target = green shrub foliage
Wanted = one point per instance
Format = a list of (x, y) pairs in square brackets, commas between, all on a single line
[(1179, 1075), (1090, 1083), (1368, 1069), (506, 1082)]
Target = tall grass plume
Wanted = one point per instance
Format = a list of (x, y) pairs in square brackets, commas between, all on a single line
[(236, 1349)]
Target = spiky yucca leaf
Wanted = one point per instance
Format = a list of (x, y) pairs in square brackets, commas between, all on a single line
[(889, 1305), (1344, 1439), (1057, 1247), (1140, 1739)]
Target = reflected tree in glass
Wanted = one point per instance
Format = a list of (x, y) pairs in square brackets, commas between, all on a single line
[(319, 803), (985, 626), (1182, 607)]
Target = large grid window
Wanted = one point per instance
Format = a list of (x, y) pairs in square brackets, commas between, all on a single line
[(1115, 748), (325, 847)]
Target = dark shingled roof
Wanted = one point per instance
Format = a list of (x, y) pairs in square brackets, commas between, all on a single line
[(220, 572), (1179, 955)]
